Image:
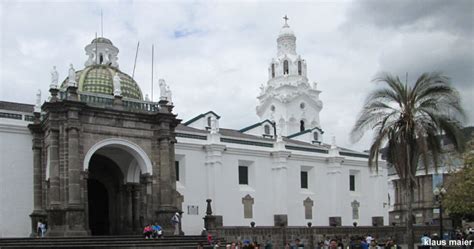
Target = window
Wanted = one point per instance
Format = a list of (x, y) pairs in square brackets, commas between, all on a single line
[(208, 121), (101, 59), (272, 108), (352, 182), (304, 179), (267, 129), (315, 136), (273, 70), (243, 175), (285, 67), (176, 166), (300, 71), (302, 125), (302, 105)]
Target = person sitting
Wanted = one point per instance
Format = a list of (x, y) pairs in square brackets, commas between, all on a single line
[(157, 231), (147, 231)]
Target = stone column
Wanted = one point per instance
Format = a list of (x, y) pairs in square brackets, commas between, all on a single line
[(213, 165), (166, 175), (38, 207), (166, 178), (37, 181), (128, 208), (334, 178), (280, 176), (74, 169), (53, 154), (135, 192)]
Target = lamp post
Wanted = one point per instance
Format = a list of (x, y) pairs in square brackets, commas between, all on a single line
[(438, 193)]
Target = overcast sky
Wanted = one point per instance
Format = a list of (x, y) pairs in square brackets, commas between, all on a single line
[(215, 56)]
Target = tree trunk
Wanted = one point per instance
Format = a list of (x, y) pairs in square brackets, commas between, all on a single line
[(409, 219)]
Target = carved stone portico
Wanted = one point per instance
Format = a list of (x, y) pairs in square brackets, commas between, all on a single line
[(102, 170)]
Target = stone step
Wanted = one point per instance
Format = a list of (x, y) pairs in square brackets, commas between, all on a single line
[(123, 242)]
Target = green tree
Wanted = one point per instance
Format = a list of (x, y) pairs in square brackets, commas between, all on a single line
[(459, 200), (407, 121)]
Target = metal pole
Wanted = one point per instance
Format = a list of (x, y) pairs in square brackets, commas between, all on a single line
[(152, 54), (440, 218)]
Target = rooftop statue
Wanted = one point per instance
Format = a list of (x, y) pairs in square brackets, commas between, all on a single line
[(54, 78)]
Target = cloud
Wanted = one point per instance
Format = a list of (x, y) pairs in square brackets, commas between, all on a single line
[(215, 55), (451, 16)]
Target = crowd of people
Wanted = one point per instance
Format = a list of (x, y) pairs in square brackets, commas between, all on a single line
[(356, 242)]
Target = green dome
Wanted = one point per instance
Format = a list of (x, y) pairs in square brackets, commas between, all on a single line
[(99, 79)]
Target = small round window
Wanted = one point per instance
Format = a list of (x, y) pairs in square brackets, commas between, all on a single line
[(272, 108), (302, 105)]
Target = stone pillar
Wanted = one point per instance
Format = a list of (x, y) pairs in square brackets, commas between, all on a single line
[(53, 155), (135, 207), (167, 187), (38, 207), (213, 165), (128, 208), (72, 93), (118, 102), (74, 169), (85, 199), (280, 197), (166, 175), (334, 176)]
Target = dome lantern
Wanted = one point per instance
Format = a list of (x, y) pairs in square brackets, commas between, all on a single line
[(101, 51)]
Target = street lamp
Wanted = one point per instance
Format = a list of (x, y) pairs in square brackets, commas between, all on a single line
[(438, 193)]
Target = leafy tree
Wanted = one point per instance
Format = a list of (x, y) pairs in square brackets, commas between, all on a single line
[(459, 200), (407, 122)]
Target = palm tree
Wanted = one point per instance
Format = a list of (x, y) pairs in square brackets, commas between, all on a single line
[(407, 122)]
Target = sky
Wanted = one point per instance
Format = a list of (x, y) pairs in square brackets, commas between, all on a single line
[(215, 55)]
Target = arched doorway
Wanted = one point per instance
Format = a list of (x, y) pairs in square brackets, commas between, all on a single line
[(103, 184), (99, 222), (114, 187)]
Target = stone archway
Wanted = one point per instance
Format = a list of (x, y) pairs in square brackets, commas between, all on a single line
[(66, 142), (114, 186)]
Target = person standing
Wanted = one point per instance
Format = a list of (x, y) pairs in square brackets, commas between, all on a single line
[(175, 222)]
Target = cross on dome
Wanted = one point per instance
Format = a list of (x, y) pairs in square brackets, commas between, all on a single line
[(286, 20)]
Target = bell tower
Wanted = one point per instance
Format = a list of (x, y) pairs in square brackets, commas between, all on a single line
[(288, 98)]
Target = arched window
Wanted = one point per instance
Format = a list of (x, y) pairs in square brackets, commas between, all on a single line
[(267, 129), (302, 125), (315, 136), (300, 70), (101, 59), (209, 121), (285, 67), (273, 70)]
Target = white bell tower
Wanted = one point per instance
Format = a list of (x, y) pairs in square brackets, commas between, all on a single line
[(287, 98)]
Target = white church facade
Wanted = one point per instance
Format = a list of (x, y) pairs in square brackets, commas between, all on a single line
[(276, 172)]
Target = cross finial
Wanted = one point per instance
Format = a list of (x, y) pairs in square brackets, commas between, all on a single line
[(286, 19)]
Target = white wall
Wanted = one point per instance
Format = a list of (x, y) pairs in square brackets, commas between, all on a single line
[(371, 188), (16, 178)]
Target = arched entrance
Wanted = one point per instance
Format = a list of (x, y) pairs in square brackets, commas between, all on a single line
[(114, 187), (103, 184)]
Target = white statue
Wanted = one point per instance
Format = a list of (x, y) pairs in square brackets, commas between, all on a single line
[(315, 85), (72, 76), (163, 93), (54, 78), (38, 101), (214, 125), (168, 94), (147, 98), (117, 87)]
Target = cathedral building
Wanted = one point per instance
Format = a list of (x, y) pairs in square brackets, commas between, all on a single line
[(99, 158)]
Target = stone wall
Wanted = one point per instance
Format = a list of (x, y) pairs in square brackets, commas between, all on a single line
[(310, 236)]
